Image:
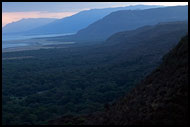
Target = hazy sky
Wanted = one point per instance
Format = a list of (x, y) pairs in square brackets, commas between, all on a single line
[(14, 11)]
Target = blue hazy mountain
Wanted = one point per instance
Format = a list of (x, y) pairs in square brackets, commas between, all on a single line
[(81, 20), (26, 24), (128, 20)]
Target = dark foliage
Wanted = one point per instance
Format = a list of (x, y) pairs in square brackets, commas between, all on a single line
[(79, 79), (160, 99)]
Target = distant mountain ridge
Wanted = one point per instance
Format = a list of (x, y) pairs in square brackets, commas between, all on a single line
[(24, 25), (152, 30), (129, 19), (72, 24)]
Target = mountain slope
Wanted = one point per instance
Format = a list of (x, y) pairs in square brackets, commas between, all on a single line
[(160, 99), (81, 20), (130, 19), (125, 62), (145, 42), (79, 78), (26, 24)]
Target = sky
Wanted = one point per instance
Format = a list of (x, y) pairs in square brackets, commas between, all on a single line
[(14, 11)]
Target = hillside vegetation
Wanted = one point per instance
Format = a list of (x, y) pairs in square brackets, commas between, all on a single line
[(45, 84), (160, 99)]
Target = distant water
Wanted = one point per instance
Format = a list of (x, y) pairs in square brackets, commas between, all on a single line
[(13, 45), (6, 37), (22, 37)]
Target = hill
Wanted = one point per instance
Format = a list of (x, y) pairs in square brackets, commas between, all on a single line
[(24, 25), (72, 24), (80, 78), (160, 99), (128, 20)]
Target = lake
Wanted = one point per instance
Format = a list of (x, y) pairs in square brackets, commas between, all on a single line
[(4, 45), (8, 40)]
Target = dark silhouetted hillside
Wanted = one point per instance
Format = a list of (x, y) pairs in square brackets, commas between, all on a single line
[(81, 78), (160, 99)]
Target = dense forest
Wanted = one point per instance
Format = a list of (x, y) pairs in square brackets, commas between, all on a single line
[(160, 99), (42, 85)]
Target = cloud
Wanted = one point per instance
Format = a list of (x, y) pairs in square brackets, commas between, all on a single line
[(8, 17)]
